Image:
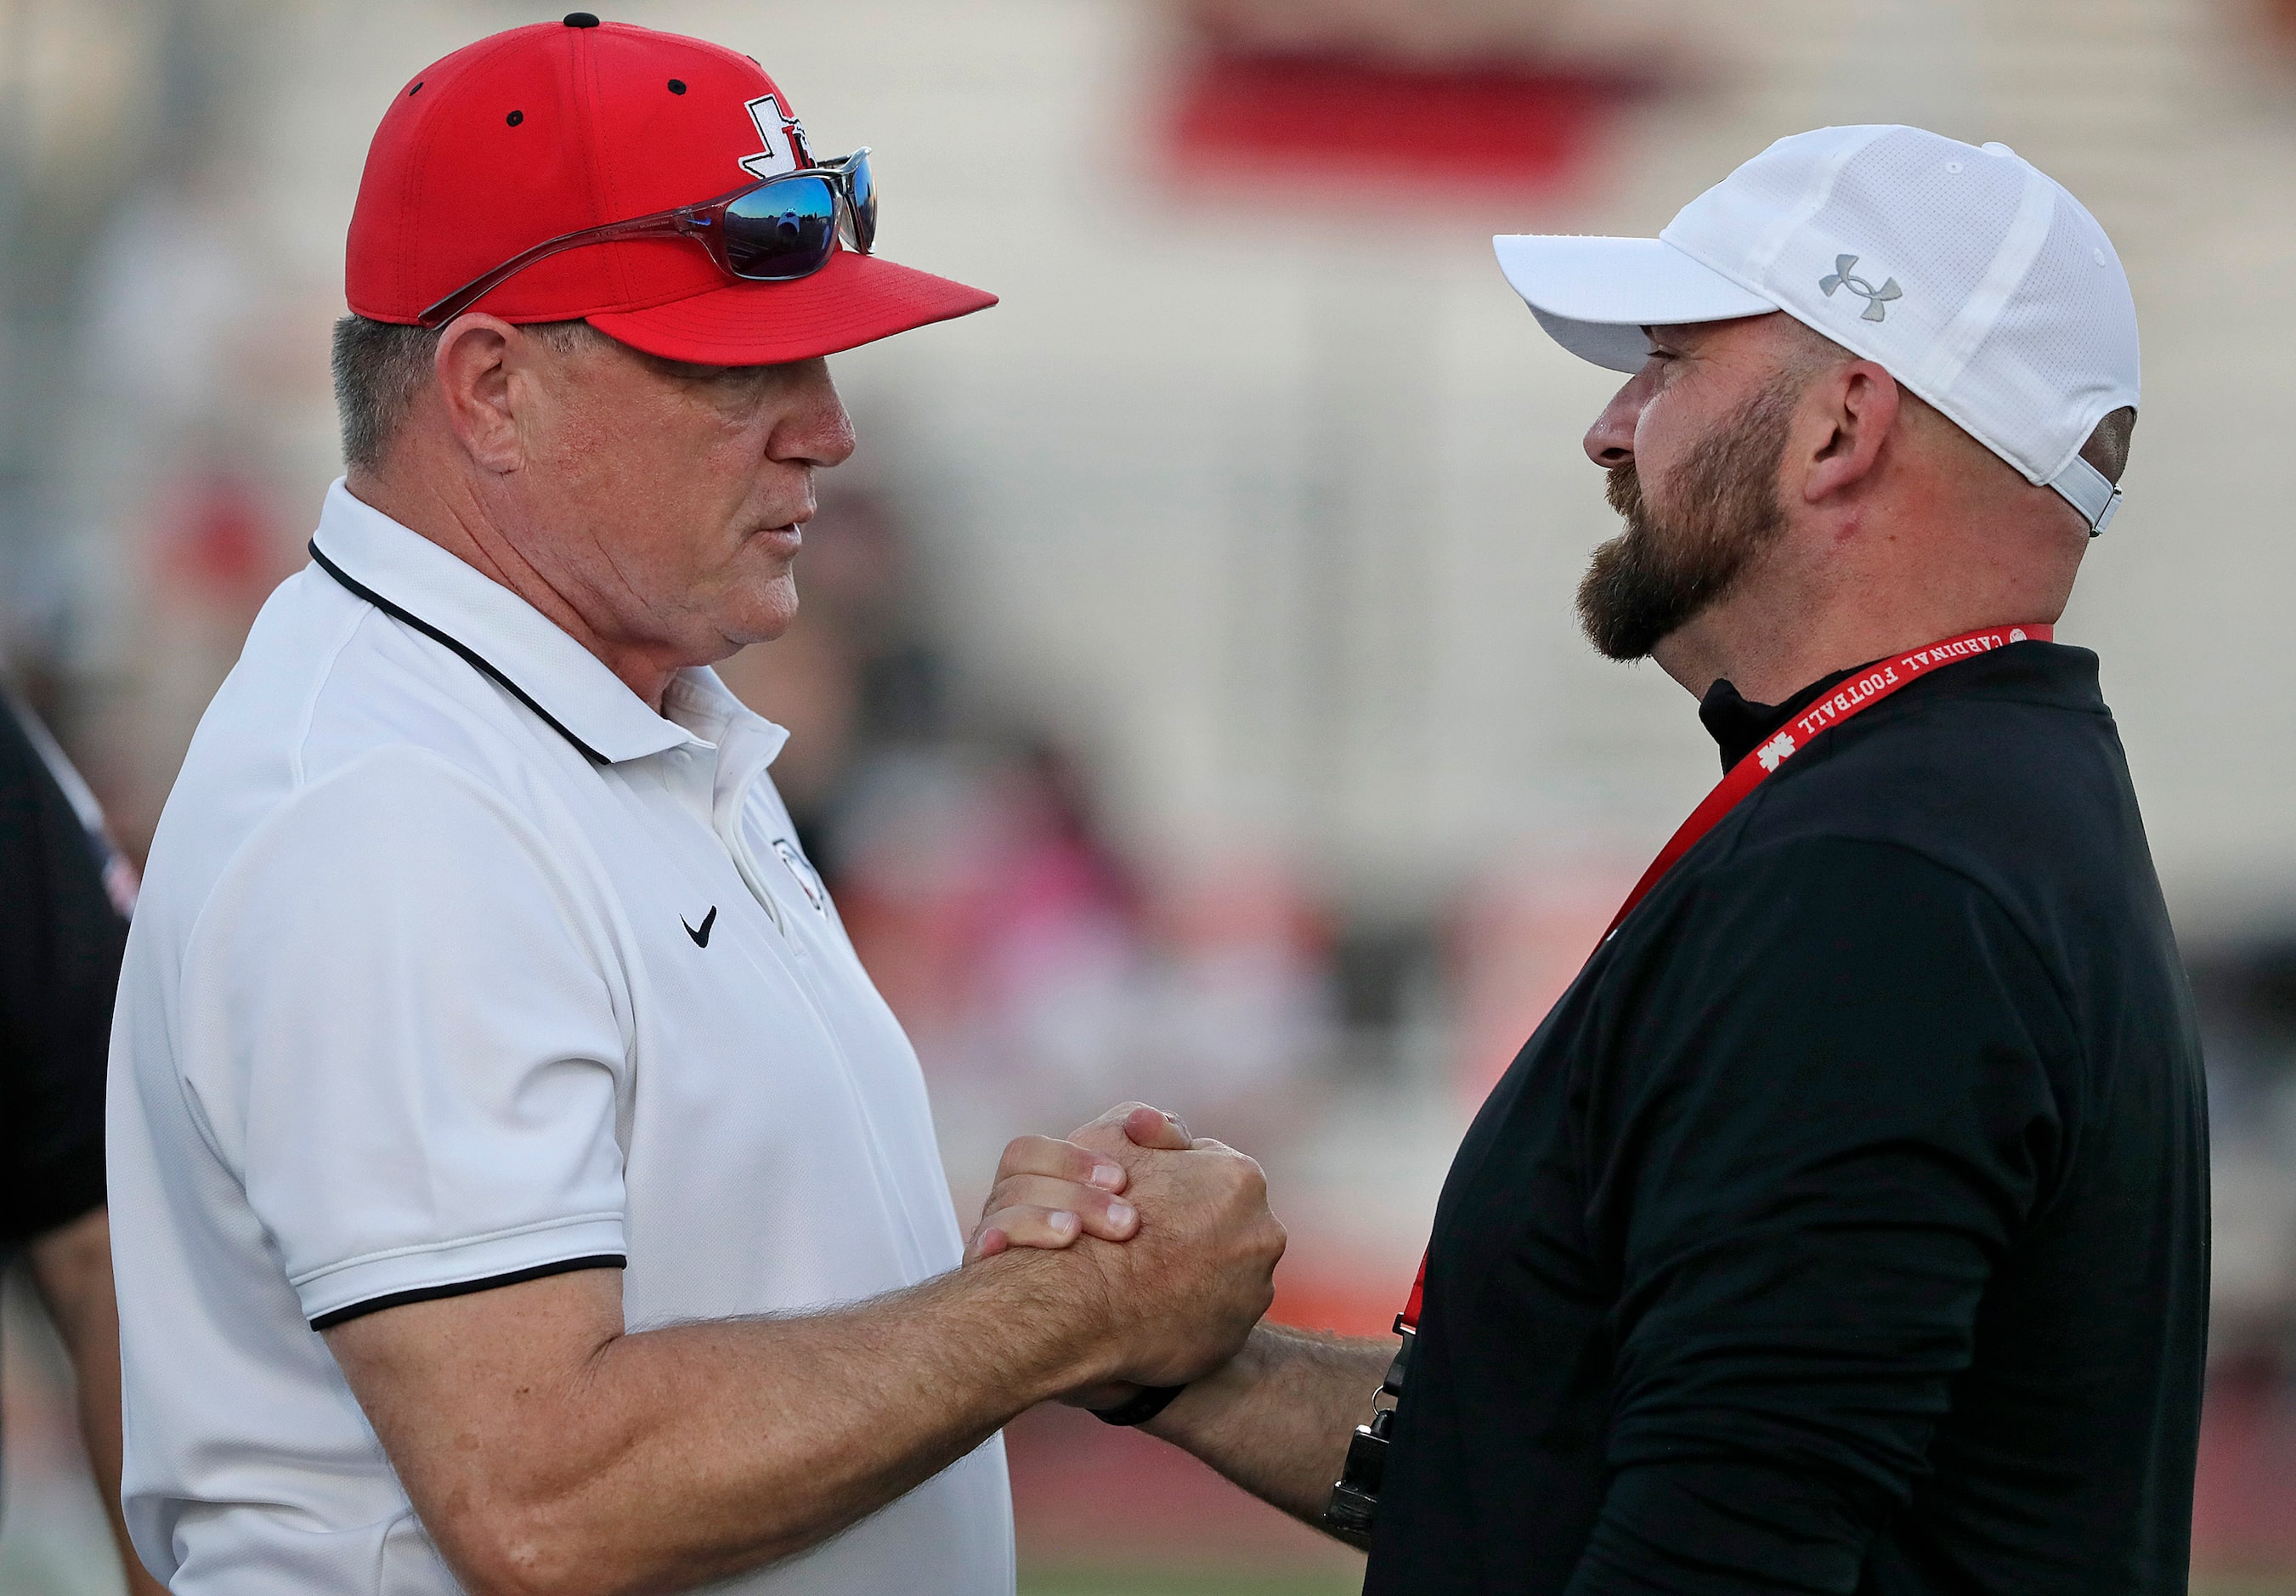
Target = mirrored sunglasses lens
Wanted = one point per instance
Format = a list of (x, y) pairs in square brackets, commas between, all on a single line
[(864, 206), (781, 230)]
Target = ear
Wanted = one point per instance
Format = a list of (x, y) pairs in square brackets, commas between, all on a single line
[(1849, 412), (472, 370)]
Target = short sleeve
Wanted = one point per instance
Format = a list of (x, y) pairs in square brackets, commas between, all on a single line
[(1837, 1114), (405, 1031)]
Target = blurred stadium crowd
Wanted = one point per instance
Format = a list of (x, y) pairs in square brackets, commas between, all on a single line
[(1186, 704)]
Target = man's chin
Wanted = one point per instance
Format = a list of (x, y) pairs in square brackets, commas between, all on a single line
[(760, 615), (1621, 610), (1629, 641)]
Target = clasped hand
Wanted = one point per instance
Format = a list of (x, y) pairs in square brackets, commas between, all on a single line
[(1170, 1235)]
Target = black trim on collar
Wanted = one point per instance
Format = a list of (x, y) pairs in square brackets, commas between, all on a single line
[(430, 1293), (477, 661)]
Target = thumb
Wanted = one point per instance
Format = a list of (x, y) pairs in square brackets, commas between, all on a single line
[(1138, 1125), (1153, 1128)]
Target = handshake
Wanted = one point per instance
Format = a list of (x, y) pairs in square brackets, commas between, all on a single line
[(1162, 1250)]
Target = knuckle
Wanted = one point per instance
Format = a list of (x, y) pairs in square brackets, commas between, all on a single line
[(1034, 1226), (1051, 1157), (1020, 1154), (1049, 1192)]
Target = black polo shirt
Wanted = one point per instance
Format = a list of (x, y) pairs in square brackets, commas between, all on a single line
[(61, 942), (1845, 1226)]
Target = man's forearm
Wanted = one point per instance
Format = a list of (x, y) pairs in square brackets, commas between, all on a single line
[(670, 1457), (546, 1448), (71, 1268), (1276, 1418), (793, 1429)]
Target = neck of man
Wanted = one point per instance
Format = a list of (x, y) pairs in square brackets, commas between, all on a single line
[(443, 507), (1827, 598)]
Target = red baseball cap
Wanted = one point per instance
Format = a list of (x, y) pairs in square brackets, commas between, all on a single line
[(563, 125)]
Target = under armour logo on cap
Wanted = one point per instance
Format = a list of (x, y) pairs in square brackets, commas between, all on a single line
[(1875, 298)]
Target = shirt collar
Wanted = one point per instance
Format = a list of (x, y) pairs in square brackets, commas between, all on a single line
[(701, 702), (504, 638), (1739, 726), (2033, 670)]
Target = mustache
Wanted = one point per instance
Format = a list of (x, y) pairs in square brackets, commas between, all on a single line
[(1622, 491)]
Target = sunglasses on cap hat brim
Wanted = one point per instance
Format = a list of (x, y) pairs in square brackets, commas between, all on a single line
[(776, 231)]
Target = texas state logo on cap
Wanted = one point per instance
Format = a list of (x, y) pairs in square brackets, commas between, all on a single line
[(1965, 272), (561, 126)]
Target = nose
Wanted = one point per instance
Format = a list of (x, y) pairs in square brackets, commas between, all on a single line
[(1610, 442), (817, 431)]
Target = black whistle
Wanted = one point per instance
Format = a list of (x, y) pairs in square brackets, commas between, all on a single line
[(1354, 1506)]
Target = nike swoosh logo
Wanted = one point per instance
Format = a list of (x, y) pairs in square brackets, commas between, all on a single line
[(701, 937)]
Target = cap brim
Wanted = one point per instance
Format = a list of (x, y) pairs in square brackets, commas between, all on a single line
[(1595, 295), (853, 301)]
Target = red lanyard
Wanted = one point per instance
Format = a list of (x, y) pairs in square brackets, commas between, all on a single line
[(1868, 687)]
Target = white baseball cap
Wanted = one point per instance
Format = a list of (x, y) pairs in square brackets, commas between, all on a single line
[(1966, 273)]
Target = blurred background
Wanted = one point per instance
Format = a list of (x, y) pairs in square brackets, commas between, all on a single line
[(1187, 703)]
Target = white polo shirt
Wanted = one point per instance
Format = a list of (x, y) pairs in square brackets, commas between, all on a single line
[(456, 965)]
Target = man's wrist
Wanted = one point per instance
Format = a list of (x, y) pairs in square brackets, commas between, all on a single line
[(1143, 1405), (1046, 1317), (1203, 1403)]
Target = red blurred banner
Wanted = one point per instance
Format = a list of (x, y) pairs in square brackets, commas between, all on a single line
[(1353, 115)]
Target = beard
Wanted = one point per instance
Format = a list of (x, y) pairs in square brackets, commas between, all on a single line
[(1677, 560)]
